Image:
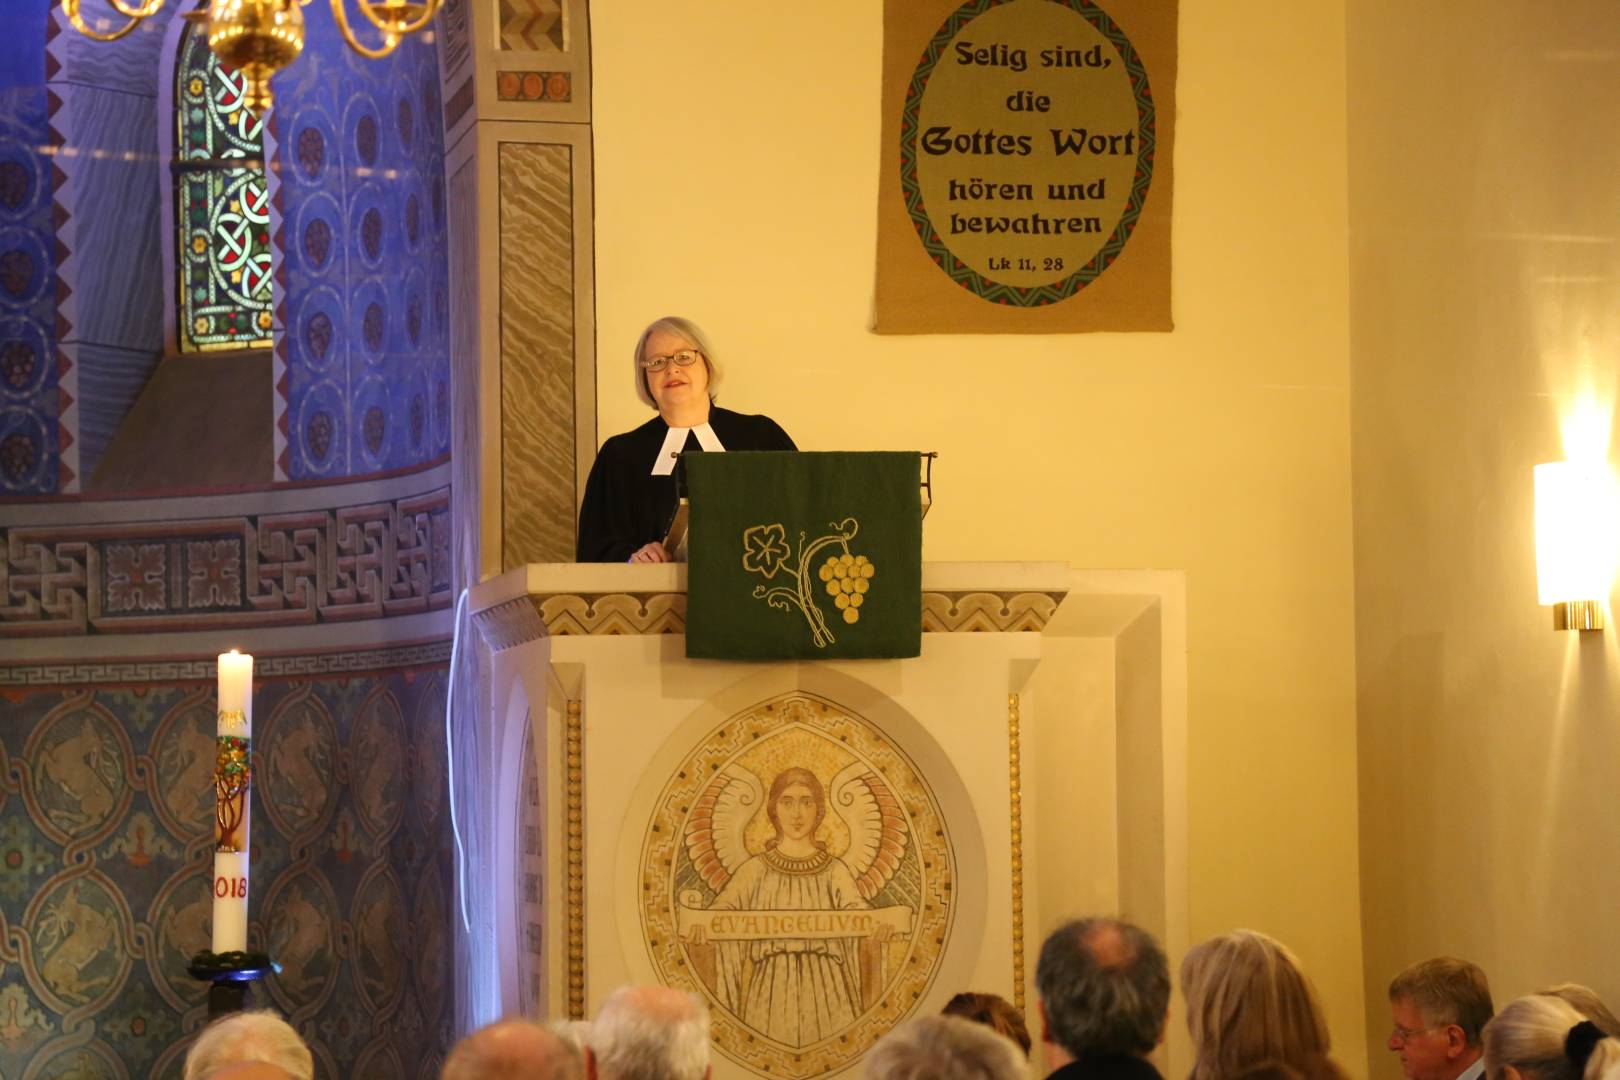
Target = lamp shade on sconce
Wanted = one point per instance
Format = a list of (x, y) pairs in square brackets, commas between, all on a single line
[(1576, 537)]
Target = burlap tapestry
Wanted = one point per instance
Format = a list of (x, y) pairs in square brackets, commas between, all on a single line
[(1026, 182)]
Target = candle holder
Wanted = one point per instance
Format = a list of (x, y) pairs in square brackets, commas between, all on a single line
[(232, 975)]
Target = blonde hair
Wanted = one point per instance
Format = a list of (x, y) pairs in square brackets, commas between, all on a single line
[(1588, 1004), (689, 332), (1248, 1002), (1529, 1034)]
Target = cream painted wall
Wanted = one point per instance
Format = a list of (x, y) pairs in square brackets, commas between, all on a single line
[(1485, 284), (736, 157)]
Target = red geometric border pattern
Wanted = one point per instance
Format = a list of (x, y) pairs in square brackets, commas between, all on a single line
[(67, 371)]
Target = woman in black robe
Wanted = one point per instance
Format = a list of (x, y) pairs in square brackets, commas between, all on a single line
[(630, 496)]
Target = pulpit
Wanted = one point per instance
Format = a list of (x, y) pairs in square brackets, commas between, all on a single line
[(821, 849)]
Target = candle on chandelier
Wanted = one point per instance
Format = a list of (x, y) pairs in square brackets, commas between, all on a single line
[(233, 778)]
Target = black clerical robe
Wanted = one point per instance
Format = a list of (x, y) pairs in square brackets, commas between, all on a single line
[(626, 506)]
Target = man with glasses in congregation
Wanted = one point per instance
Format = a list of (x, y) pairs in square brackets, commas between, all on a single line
[(1440, 1008), (631, 495)]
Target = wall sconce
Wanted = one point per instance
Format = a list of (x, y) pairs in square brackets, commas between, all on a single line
[(1575, 541)]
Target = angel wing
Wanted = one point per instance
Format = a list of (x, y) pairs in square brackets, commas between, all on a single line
[(877, 826), (714, 831)]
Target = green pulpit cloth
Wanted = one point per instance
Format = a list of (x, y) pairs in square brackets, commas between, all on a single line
[(804, 556)]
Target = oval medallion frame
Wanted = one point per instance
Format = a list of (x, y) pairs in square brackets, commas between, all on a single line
[(858, 725), (923, 221)]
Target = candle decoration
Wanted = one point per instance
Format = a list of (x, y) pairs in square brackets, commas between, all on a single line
[(233, 777), (229, 965)]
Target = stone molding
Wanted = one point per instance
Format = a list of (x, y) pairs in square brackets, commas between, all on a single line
[(204, 669), (537, 615)]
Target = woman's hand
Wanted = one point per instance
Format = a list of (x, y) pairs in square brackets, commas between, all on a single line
[(653, 552)]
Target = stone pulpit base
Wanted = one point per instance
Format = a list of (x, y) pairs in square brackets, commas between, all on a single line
[(823, 849)]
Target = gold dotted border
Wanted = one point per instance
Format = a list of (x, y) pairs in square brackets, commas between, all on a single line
[(573, 739), (1013, 778)]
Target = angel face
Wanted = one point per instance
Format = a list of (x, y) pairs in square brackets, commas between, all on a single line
[(796, 804), (796, 811)]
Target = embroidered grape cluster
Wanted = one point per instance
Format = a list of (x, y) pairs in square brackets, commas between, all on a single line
[(848, 578)]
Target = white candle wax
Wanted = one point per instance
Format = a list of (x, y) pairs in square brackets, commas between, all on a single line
[(230, 880), (236, 693), (230, 901)]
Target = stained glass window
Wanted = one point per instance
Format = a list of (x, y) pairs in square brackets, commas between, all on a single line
[(223, 214)]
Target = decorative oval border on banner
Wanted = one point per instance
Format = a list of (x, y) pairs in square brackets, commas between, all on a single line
[(938, 251)]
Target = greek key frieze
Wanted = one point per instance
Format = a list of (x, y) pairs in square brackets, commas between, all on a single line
[(355, 562)]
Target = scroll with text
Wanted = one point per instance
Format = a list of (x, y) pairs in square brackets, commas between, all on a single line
[(1026, 166)]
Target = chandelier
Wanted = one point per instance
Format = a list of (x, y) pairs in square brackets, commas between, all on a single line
[(260, 37)]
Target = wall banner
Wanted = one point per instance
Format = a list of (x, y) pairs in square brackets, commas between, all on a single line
[(1026, 159)]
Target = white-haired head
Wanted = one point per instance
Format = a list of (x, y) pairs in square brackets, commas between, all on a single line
[(1541, 1037), (944, 1048), (650, 1033), (258, 1036), (689, 332), (576, 1033)]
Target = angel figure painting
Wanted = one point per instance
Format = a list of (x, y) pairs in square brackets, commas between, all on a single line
[(796, 991), (801, 889)]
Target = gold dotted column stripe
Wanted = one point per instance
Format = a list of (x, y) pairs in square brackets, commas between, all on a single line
[(1017, 851), (575, 780)]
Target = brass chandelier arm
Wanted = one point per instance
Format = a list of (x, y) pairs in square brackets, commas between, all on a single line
[(389, 40), (71, 8), (139, 11), (369, 9), (262, 27)]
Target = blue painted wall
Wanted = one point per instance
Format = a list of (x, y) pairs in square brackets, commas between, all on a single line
[(362, 251), (364, 254), (28, 386)]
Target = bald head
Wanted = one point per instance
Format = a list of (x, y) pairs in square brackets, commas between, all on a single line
[(1108, 945), (253, 1070), (651, 1033), (512, 1050)]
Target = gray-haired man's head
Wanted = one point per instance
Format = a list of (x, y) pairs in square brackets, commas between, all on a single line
[(1105, 990), (944, 1048), (257, 1037), (649, 1033)]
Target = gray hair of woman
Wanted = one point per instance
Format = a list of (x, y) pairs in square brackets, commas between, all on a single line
[(944, 1048), (687, 331), (1541, 1037), (258, 1036)]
